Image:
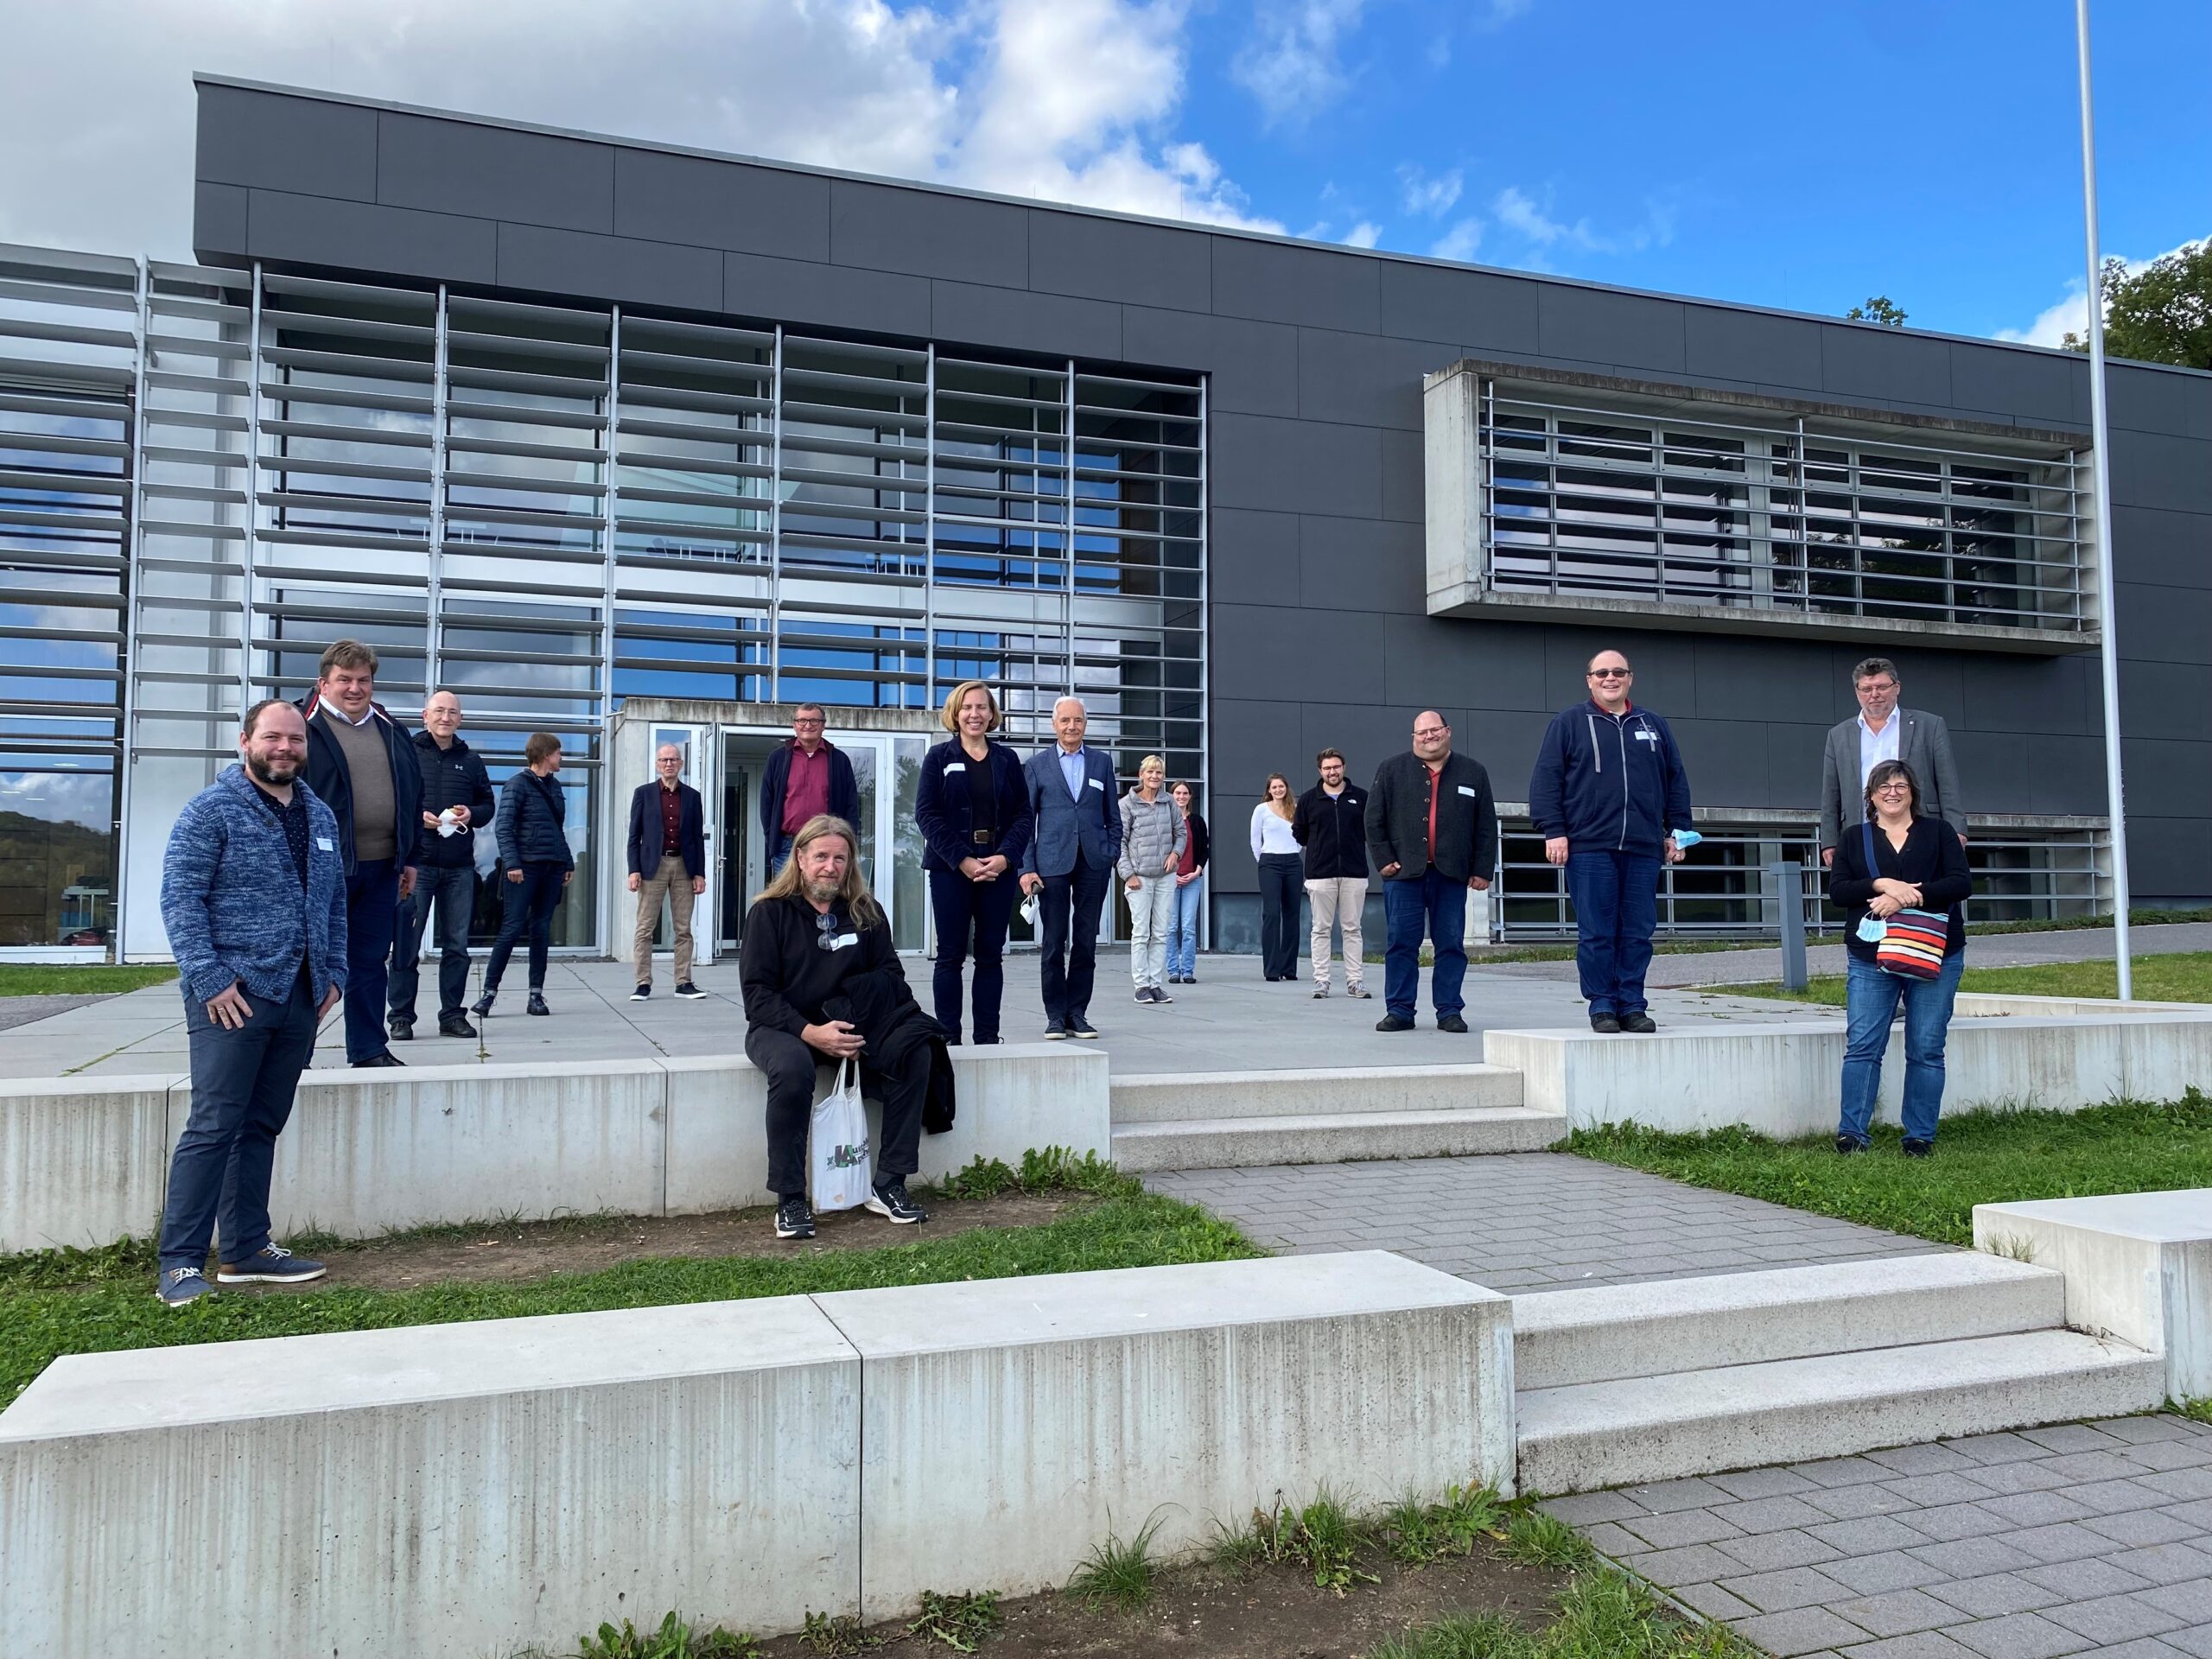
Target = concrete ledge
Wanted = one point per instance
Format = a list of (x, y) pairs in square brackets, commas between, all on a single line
[(1011, 1423), (1998, 1005), (83, 1162), (2138, 1266), (448, 1489), (1334, 1138), (1182, 1096)]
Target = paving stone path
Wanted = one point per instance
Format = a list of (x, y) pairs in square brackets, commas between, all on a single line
[(2086, 1538)]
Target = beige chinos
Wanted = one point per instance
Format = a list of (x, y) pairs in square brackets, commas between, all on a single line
[(1337, 901), (671, 881)]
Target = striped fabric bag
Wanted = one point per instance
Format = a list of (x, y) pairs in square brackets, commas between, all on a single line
[(1913, 941)]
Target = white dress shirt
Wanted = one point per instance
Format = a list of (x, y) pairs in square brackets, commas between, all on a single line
[(1874, 746)]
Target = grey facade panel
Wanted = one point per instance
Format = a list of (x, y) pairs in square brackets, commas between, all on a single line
[(762, 289), (219, 222), (1471, 665), (1756, 349), (2039, 390), (1253, 734), (2151, 400), (2047, 695), (1867, 362), (1996, 769), (361, 236), (1728, 761), (1484, 312), (1314, 287), (1746, 678), (2170, 860), (1015, 320), (623, 269), (1251, 555), (301, 144), (2159, 545), (1109, 259), (2154, 469), (688, 198), (1366, 379), (1291, 649), (2167, 779), (2165, 625), (1295, 465), (1633, 334), (1254, 365), (880, 228), (1404, 486), (1364, 564), (2164, 700), (529, 178)]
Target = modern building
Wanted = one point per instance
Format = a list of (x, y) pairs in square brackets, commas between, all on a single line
[(620, 439)]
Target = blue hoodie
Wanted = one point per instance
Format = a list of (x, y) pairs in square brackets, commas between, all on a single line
[(1610, 783)]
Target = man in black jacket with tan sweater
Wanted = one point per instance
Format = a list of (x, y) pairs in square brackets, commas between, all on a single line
[(1431, 834)]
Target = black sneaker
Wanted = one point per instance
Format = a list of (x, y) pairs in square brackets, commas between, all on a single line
[(181, 1286), (1605, 1023), (1453, 1023), (1159, 995), (1056, 1031), (538, 1004), (1919, 1148), (1394, 1022), (1143, 993), (1846, 1146), (1639, 1023), (272, 1264), (402, 1027), (482, 1005), (690, 992), (794, 1217), (1079, 1027), (644, 992), (889, 1199), (455, 1025)]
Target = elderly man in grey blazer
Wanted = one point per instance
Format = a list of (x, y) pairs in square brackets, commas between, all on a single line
[(1882, 731)]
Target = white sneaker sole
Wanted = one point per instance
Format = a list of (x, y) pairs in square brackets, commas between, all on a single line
[(872, 1202), (223, 1277)]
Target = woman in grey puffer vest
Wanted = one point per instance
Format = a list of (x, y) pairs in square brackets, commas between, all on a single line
[(1152, 833)]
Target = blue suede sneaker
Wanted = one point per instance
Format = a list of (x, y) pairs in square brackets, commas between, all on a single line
[(181, 1286), (272, 1264)]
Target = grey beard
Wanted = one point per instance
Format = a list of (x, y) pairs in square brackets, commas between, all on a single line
[(262, 773), (823, 892)]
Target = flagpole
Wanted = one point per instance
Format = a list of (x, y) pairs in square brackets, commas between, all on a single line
[(2108, 594)]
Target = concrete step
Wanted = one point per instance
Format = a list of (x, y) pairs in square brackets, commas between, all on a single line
[(1595, 1435), (1332, 1138), (1563, 1337), (1180, 1096)]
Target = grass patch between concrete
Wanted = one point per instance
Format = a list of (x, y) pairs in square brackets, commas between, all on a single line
[(78, 979), (1981, 1157), (2186, 977)]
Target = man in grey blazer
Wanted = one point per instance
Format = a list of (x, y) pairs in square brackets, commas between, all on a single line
[(1071, 860), (1882, 731)]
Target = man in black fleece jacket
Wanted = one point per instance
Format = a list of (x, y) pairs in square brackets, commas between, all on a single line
[(813, 929)]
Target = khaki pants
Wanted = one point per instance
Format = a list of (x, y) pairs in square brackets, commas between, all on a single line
[(1338, 901), (668, 882)]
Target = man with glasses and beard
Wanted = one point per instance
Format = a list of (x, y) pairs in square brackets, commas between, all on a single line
[(815, 934)]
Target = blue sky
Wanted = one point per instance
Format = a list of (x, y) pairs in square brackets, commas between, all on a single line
[(1794, 155)]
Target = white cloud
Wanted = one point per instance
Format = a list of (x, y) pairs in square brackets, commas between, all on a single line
[(1291, 62), (1423, 194), (1071, 100), (2071, 314), (1519, 213), (1460, 241), (1365, 234)]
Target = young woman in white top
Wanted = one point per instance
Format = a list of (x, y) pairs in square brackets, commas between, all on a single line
[(1281, 877)]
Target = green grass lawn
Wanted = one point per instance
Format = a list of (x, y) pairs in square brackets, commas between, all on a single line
[(1981, 1158), (71, 979), (2183, 978)]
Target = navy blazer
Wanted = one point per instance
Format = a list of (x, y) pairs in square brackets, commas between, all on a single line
[(1064, 823), (646, 829), (946, 813)]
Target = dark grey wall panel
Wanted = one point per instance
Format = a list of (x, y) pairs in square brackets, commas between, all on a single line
[(1996, 771), (2165, 625), (1886, 366), (1727, 761), (953, 237), (2066, 772), (2170, 860), (219, 233), (623, 269), (2153, 469), (1252, 557), (2152, 544), (1291, 651), (2165, 699), (529, 178), (1793, 769), (1751, 347), (1111, 259), (1629, 331), (1367, 379), (711, 204), (1750, 679), (1252, 736), (830, 297), (2026, 385), (360, 235), (300, 144), (2167, 779), (1364, 564), (2158, 400), (2026, 694), (1295, 465), (1475, 666), (1404, 477), (1254, 364), (1312, 287), (1013, 320), (1484, 312)]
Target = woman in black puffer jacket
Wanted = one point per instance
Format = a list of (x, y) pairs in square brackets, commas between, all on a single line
[(534, 848)]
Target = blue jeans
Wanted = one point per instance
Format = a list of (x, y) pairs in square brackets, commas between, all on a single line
[(1870, 1000), (372, 919), (1183, 928), (1438, 903), (779, 849), (452, 889), (243, 1083), (971, 914), (529, 903), (1616, 910)]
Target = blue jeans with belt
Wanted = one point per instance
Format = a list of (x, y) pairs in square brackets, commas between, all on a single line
[(1438, 904), (1870, 1002)]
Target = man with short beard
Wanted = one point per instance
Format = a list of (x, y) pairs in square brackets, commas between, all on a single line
[(253, 896), (816, 935)]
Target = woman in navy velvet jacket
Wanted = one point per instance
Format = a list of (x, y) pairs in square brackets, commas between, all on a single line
[(973, 808)]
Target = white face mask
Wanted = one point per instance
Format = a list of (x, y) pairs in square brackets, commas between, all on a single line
[(1873, 929)]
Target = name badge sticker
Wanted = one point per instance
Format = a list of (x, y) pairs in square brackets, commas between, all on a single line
[(1646, 737), (1467, 790), (951, 766), (840, 941), (1094, 784), (323, 842)]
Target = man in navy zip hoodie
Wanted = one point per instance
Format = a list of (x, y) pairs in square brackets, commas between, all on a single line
[(1608, 793)]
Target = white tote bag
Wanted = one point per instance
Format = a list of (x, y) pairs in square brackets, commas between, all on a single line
[(838, 1166)]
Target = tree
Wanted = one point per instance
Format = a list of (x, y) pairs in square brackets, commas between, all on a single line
[(1879, 309), (2161, 314)]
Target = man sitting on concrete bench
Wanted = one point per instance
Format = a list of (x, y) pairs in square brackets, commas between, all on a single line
[(812, 936)]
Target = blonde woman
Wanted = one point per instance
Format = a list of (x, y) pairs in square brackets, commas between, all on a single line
[(972, 809), (1153, 835), (1275, 846)]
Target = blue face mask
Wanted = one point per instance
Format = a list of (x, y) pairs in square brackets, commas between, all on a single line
[(1873, 929), (1686, 839)]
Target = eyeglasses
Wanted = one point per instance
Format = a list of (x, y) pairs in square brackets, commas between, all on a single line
[(1609, 673), (1893, 787), (824, 926)]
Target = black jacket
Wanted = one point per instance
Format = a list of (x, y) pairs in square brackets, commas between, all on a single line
[(1333, 832), (945, 813), (453, 776), (1201, 842), (646, 830), (1931, 859), (1466, 819), (879, 1005), (327, 776), (844, 788), (532, 812)]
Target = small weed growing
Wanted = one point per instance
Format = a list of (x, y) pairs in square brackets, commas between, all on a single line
[(1043, 1169), (1323, 1539), (960, 1622), (1459, 1636), (1601, 1614), (1541, 1540), (2199, 1409), (673, 1640), (1420, 1533), (840, 1636), (1118, 1573)]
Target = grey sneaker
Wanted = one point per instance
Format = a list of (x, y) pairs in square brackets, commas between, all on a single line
[(1359, 993), (272, 1264), (178, 1286)]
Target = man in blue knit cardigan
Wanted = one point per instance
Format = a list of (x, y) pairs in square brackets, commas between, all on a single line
[(253, 895)]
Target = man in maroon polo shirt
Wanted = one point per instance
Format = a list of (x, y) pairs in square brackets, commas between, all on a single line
[(808, 776)]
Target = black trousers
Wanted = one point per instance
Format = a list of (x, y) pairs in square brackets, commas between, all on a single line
[(1282, 879), (1071, 904), (529, 904), (977, 914), (789, 1065)]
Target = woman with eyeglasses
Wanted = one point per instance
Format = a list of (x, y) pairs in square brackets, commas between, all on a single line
[(1903, 874)]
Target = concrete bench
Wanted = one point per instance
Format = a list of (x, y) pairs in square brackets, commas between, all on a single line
[(2138, 1266), (83, 1160)]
